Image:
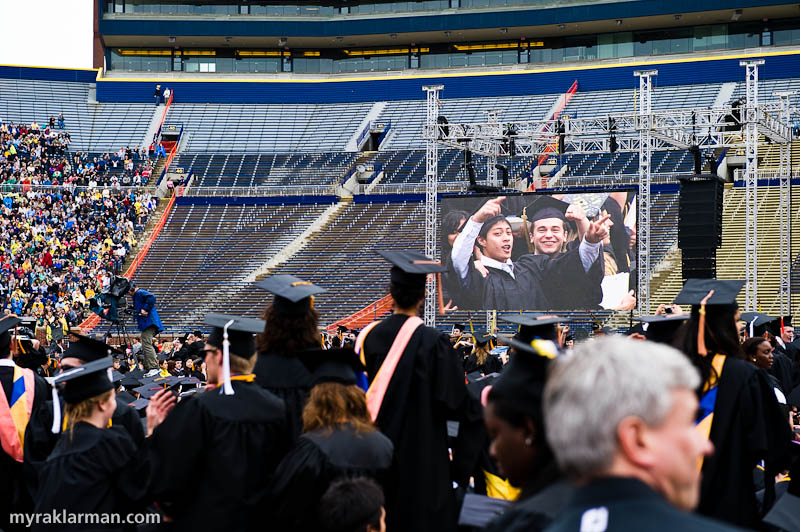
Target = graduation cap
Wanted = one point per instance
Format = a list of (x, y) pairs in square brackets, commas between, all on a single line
[(292, 294), (478, 510), (139, 403), (125, 398), (129, 381), (482, 338), (80, 383), (546, 207), (116, 377), (694, 290), (661, 328), (340, 365), (758, 323), (232, 334), (7, 323), (794, 397), (148, 390), (523, 379), (87, 349), (785, 513), (410, 268), (460, 326), (534, 326)]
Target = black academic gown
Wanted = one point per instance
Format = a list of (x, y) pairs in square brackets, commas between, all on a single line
[(14, 496), (540, 282), (426, 389), (782, 368), (40, 440), (290, 380), (534, 513), (93, 470), (318, 459), (748, 426), (492, 364), (618, 504), (214, 455)]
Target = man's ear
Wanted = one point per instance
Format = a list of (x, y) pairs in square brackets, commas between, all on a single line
[(634, 438)]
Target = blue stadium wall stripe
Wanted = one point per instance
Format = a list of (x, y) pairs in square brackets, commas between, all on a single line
[(545, 81), (150, 25)]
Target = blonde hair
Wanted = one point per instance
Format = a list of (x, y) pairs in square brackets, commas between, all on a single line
[(332, 404), (241, 364), (74, 413), (481, 352)]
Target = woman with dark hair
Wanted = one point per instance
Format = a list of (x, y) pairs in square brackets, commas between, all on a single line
[(738, 410), (292, 326), (515, 423), (760, 352), (530, 282), (452, 223), (338, 441)]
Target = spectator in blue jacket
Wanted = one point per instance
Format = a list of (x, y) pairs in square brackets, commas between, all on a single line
[(144, 308)]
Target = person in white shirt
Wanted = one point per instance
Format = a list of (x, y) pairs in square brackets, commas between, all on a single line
[(532, 281)]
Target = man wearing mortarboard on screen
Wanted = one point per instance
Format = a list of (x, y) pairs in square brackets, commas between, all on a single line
[(533, 281)]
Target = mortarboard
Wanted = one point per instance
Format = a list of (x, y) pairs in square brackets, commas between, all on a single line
[(410, 268), (80, 383), (534, 326), (7, 323), (341, 329), (478, 510), (758, 323), (522, 380), (694, 290), (88, 349), (125, 398), (340, 365), (116, 377), (794, 397), (481, 338), (548, 207), (292, 294), (232, 334), (661, 328), (785, 513), (459, 326), (148, 390), (139, 403), (130, 381)]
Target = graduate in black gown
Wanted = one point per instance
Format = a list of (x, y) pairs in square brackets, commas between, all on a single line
[(94, 468), (22, 392), (739, 411), (412, 395), (40, 438), (339, 440), (515, 421), (532, 281), (481, 360), (291, 326), (214, 454)]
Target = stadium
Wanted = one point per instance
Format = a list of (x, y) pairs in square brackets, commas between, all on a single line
[(195, 150)]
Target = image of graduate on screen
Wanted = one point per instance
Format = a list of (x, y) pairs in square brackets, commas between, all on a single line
[(539, 252)]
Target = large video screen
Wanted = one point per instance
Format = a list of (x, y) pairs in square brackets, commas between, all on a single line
[(539, 251)]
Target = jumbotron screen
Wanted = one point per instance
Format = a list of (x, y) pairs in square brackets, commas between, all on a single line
[(539, 251)]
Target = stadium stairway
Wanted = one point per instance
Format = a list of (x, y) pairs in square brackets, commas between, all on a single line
[(731, 256)]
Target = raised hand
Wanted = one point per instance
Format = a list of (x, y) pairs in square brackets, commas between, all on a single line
[(598, 230), (490, 208)]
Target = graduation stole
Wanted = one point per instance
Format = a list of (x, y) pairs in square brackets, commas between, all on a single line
[(14, 415), (380, 383), (710, 388)]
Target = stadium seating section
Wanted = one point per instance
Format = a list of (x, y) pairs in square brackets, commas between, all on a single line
[(206, 255)]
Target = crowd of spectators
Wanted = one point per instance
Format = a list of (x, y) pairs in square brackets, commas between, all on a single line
[(36, 155), (61, 242)]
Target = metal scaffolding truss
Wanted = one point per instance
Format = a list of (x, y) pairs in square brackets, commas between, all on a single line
[(643, 131)]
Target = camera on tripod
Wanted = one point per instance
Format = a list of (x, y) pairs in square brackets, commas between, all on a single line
[(106, 303)]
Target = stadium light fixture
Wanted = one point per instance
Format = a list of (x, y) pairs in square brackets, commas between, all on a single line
[(678, 16), (283, 41), (503, 30), (561, 26), (737, 14), (619, 22)]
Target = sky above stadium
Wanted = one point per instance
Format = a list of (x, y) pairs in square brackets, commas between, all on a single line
[(51, 33)]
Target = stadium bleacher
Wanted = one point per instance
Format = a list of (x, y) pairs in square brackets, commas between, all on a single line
[(93, 126)]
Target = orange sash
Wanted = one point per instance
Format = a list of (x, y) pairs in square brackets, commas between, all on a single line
[(380, 383), (14, 418)]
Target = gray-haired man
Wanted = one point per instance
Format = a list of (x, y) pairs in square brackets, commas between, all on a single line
[(620, 419)]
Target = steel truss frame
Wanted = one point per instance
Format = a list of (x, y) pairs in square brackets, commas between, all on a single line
[(643, 131)]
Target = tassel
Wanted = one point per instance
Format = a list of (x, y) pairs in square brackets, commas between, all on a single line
[(56, 412), (227, 388), (752, 326)]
